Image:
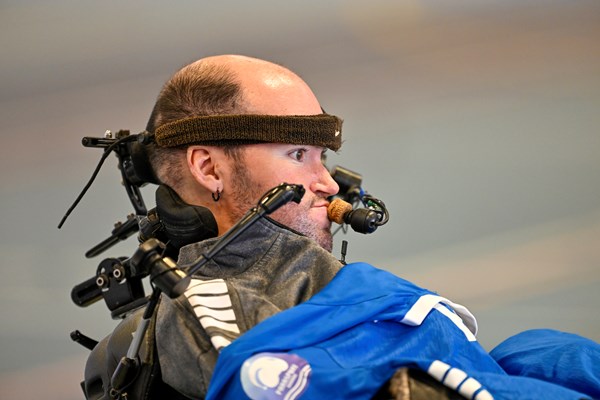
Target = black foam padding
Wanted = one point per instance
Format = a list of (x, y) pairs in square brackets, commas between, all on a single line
[(183, 223)]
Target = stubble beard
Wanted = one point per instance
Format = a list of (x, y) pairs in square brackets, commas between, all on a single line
[(246, 194)]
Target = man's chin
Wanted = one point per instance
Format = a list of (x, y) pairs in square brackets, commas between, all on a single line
[(321, 236), (324, 239), (313, 226), (328, 246)]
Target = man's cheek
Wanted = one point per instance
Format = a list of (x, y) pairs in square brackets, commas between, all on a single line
[(286, 211)]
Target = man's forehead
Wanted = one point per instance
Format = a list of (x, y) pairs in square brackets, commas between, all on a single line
[(292, 146), (284, 147)]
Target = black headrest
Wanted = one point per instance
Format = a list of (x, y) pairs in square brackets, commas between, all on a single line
[(183, 223)]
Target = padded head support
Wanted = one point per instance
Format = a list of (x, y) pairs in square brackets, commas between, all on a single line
[(183, 223)]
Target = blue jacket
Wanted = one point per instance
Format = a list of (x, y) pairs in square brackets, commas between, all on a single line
[(347, 340)]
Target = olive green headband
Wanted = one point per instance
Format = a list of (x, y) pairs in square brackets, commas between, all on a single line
[(218, 130)]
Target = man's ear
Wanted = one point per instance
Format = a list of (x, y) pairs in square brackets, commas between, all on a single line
[(201, 161)]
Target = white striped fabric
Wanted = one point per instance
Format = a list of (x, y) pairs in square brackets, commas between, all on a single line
[(215, 323), (212, 305), (455, 378), (219, 342), (457, 321), (422, 307)]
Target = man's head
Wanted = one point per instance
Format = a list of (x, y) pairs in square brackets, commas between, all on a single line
[(243, 87)]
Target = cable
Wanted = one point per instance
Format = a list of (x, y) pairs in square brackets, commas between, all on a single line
[(94, 174)]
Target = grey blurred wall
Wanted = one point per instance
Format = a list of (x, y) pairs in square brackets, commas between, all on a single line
[(476, 122)]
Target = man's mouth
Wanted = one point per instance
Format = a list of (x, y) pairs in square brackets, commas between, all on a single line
[(320, 203)]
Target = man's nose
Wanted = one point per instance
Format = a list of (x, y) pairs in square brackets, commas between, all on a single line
[(324, 183)]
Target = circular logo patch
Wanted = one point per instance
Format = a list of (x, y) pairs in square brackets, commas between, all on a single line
[(275, 376)]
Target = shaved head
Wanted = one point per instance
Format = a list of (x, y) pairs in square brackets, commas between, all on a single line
[(266, 88)]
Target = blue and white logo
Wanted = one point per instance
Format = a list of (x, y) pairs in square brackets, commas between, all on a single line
[(275, 376)]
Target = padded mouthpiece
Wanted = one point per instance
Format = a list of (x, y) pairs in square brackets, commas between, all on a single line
[(337, 210)]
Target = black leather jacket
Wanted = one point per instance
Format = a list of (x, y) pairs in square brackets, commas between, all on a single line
[(269, 268)]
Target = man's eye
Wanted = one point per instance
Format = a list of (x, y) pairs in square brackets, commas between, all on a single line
[(298, 154), (324, 158)]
